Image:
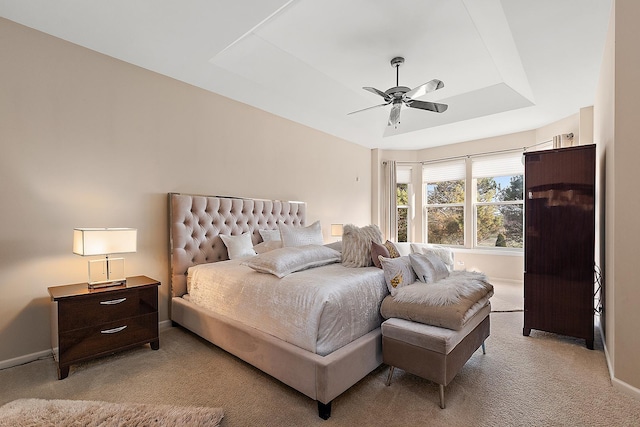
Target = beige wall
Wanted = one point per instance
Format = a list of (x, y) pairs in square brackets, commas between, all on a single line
[(603, 134), (616, 131), (88, 140)]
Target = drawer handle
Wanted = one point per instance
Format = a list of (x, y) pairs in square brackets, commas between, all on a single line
[(113, 301), (114, 330)]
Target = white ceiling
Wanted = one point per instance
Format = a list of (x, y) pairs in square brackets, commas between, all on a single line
[(507, 65)]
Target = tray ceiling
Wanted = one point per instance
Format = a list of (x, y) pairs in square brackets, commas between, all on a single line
[(507, 66)]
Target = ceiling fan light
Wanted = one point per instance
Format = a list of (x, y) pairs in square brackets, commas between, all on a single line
[(394, 116)]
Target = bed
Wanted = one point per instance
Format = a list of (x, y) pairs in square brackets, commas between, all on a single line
[(321, 373)]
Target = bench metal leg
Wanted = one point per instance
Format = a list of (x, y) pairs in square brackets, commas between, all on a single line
[(441, 396), (391, 368), (484, 349)]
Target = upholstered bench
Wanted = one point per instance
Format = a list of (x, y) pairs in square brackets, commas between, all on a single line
[(432, 352)]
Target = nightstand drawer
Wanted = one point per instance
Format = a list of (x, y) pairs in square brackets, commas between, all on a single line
[(107, 338), (105, 307)]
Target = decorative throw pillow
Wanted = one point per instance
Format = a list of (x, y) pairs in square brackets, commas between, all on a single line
[(429, 268), (335, 245), (238, 246), (356, 244), (378, 250), (287, 260), (263, 247), (301, 236), (397, 272), (393, 251), (445, 254), (270, 235)]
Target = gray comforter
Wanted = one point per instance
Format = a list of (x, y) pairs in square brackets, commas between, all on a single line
[(320, 309)]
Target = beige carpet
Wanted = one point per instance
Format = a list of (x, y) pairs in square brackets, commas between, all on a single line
[(40, 412), (507, 296), (541, 380)]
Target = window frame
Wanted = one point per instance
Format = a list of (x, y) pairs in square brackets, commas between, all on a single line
[(406, 207), (513, 167), (404, 177), (426, 205), (475, 224), (419, 175)]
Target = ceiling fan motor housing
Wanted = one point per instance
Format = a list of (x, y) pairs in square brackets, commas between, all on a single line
[(397, 91), (397, 61)]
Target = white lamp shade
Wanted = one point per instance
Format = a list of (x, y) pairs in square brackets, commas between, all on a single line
[(104, 241), (336, 230)]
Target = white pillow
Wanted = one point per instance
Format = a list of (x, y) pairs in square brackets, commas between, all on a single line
[(397, 272), (445, 254), (263, 247), (238, 246), (301, 236), (428, 267), (287, 260), (270, 235), (335, 245)]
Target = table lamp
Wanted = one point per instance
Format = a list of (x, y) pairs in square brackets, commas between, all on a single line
[(336, 230), (105, 241)]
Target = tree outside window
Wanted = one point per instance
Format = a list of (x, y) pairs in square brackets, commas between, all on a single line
[(499, 211), (498, 204), (402, 204), (445, 212), (444, 202)]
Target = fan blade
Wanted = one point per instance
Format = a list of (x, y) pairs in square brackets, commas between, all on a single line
[(422, 90), (430, 106), (379, 92), (394, 116), (369, 108)]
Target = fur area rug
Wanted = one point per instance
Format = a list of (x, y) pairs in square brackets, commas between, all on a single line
[(459, 284), (40, 412)]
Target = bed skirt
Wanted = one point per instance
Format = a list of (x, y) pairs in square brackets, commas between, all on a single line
[(321, 378)]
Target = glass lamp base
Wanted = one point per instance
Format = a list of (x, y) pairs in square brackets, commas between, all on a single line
[(107, 284), (106, 272)]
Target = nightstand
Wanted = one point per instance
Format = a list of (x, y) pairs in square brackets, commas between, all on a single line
[(88, 323)]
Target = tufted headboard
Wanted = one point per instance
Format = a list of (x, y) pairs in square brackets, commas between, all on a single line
[(196, 222)]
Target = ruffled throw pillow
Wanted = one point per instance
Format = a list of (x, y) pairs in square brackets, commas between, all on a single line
[(356, 244)]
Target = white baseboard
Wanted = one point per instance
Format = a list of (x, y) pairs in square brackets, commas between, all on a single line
[(615, 382), (165, 324), (16, 361), (625, 388)]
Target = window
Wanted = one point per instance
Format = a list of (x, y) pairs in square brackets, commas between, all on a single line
[(444, 199), (402, 204), (403, 180), (471, 202), (498, 201)]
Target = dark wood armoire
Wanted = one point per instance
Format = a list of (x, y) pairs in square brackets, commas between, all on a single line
[(559, 241)]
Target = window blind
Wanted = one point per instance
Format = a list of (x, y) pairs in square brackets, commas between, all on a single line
[(503, 165), (403, 175), (444, 171)]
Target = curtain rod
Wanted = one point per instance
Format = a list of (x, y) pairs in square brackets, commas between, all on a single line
[(466, 156)]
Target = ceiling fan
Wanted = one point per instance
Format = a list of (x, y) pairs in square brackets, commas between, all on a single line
[(403, 95)]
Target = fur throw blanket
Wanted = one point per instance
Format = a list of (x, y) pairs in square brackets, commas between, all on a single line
[(459, 284)]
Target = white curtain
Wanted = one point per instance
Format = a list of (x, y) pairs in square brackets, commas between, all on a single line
[(390, 201)]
